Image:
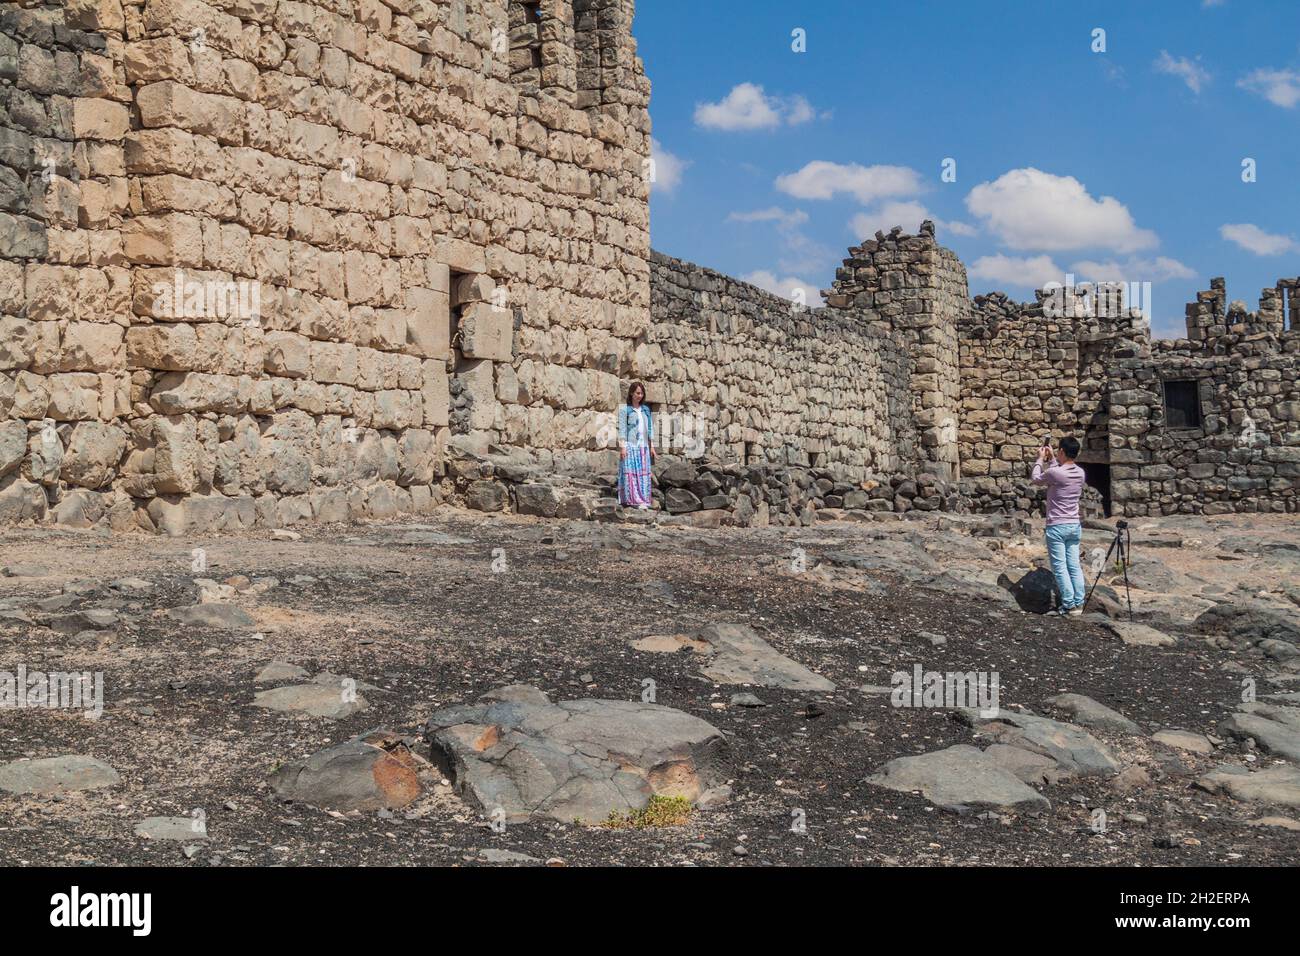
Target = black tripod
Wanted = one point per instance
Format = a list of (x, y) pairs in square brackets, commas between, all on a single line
[(1121, 546)]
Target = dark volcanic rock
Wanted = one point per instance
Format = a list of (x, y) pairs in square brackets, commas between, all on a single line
[(371, 772), (961, 779), (576, 760)]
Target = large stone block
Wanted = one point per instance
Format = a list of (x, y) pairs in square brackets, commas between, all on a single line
[(487, 332)]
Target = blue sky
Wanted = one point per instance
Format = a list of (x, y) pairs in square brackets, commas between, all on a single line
[(1124, 164)]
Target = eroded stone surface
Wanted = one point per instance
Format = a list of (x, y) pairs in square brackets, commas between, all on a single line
[(742, 657), (373, 771), (960, 778), (573, 760), (56, 774)]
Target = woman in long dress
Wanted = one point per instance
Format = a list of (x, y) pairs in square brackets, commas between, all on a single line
[(636, 451)]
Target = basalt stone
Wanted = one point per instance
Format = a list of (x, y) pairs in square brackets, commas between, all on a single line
[(374, 771), (960, 778), (51, 775), (517, 753)]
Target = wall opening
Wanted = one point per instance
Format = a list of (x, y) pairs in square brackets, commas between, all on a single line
[(526, 43), (1182, 404), (1097, 475), (749, 453)]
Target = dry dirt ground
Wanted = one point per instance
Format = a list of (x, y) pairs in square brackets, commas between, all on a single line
[(433, 620)]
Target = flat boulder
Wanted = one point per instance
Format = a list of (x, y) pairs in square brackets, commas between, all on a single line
[(516, 752), (56, 775), (1076, 752), (1247, 624), (742, 657), (962, 779), (1274, 728), (1138, 635), (1184, 740), (374, 771), (172, 828), (331, 700), (1274, 785), (224, 617), (1091, 713)]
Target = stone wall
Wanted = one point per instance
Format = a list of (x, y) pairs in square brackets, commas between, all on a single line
[(917, 289), (1245, 453), (261, 261), (753, 378), (1084, 364)]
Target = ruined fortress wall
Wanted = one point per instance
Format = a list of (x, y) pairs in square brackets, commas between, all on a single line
[(918, 290), (261, 261), (1244, 455), (1032, 369), (761, 380), (1087, 366)]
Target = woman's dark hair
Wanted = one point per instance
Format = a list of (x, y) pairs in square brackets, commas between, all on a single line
[(631, 391), (1070, 446)]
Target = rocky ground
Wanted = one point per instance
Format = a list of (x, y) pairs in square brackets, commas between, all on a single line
[(768, 653)]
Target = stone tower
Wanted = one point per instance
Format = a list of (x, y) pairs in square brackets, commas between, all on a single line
[(918, 288)]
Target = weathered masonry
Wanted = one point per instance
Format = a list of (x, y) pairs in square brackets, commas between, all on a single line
[(265, 262)]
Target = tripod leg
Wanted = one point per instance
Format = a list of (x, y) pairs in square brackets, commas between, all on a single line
[(1128, 596), (1097, 579)]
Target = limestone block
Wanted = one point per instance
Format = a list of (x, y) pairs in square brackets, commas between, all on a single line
[(99, 119), (73, 396), (180, 392), (175, 454), (93, 454), (436, 393), (334, 363), (92, 346), (487, 332), (287, 354), (428, 323)]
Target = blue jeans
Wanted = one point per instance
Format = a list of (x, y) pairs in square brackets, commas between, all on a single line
[(1063, 550)]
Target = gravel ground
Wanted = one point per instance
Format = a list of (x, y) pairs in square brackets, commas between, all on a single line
[(420, 612)]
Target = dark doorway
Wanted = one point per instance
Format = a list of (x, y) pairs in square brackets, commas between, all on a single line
[(1097, 475)]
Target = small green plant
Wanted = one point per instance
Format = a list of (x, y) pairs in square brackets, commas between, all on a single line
[(659, 812)]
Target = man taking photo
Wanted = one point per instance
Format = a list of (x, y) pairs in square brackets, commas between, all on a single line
[(1064, 480)]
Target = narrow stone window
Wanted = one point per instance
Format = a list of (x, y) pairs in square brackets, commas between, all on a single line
[(456, 309), (1182, 404), (749, 453)]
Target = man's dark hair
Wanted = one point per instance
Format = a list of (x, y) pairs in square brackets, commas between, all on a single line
[(1071, 447)]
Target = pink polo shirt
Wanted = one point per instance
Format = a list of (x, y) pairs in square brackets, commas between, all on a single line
[(1064, 488)]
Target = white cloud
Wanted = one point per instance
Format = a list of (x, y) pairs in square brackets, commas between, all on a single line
[(1255, 240), (908, 214), (747, 107), (788, 287), (773, 214), (799, 252), (1279, 87), (1190, 72), (668, 169), (822, 180), (1030, 209), (1159, 269), (1030, 273)]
